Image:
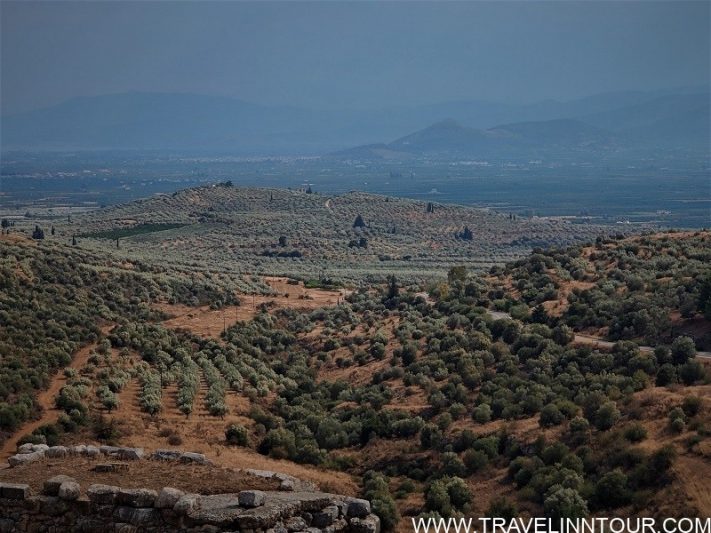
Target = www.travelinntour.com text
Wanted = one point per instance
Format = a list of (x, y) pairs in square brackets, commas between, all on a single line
[(565, 525)]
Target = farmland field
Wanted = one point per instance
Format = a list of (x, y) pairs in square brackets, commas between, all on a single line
[(240, 231), (670, 190)]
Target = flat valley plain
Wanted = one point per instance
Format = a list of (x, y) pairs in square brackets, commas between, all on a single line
[(666, 188)]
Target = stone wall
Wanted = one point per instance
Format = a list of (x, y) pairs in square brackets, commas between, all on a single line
[(103, 508)]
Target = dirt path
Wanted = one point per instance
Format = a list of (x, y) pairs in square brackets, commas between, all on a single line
[(208, 322), (45, 399), (596, 342), (608, 345)]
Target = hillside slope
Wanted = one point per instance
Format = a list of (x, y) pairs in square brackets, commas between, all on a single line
[(418, 394)]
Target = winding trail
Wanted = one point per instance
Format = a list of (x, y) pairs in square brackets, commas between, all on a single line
[(45, 399), (596, 342)]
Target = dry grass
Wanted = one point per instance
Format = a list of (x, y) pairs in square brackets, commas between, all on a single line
[(208, 322), (202, 479)]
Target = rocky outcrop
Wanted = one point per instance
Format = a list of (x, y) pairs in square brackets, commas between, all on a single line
[(63, 505), (28, 453), (106, 508)]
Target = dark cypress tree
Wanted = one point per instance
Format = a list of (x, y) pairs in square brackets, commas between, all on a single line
[(52, 230), (359, 222), (393, 289), (74, 240), (466, 234), (38, 233)]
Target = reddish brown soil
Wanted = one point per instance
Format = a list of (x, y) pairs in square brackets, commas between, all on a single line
[(208, 322), (202, 479)]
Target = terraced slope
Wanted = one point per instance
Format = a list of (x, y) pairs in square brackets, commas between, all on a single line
[(310, 236)]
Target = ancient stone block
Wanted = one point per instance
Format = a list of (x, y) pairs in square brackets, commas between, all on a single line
[(136, 497), (102, 494), (166, 455), (92, 451), (295, 523), (108, 450), (192, 457), (224, 518), (168, 497), (14, 491), (130, 454), (51, 486), (25, 458), (251, 498), (187, 503), (79, 449), (325, 517), (338, 525), (358, 508), (369, 524), (260, 517), (25, 448), (69, 490), (56, 452), (287, 485), (87, 524), (139, 517), (52, 506)]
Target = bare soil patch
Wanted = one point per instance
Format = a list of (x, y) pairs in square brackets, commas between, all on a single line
[(208, 322), (202, 479)]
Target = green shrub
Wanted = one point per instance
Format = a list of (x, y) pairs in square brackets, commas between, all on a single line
[(376, 490), (237, 435), (564, 503), (551, 416), (612, 491), (447, 496), (635, 432), (475, 460), (691, 405), (607, 416)]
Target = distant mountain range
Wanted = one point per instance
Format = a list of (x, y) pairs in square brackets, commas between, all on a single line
[(198, 123), (673, 121)]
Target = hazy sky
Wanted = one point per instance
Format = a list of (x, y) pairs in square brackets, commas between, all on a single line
[(350, 54)]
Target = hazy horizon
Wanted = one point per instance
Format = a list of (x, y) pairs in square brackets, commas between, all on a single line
[(350, 55), (690, 89)]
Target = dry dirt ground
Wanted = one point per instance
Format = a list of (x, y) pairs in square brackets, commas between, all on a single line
[(692, 467), (208, 322), (204, 433), (202, 479)]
